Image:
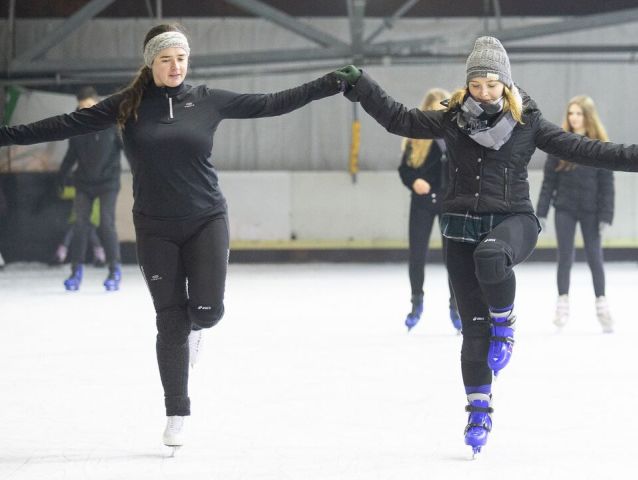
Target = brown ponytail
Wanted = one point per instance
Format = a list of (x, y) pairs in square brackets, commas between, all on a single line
[(132, 96)]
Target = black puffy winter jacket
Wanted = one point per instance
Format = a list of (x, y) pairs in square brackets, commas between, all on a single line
[(432, 171), (483, 180), (583, 189)]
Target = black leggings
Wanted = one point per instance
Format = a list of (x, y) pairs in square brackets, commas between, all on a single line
[(420, 229), (565, 232), (184, 264), (482, 276), (82, 206)]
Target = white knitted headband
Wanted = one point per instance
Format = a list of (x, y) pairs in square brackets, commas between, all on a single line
[(162, 41)]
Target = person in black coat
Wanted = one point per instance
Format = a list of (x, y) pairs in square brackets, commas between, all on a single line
[(423, 172), (96, 157), (584, 195), (491, 129), (179, 211)]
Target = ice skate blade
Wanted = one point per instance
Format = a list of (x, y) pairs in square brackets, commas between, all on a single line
[(475, 452), (173, 450)]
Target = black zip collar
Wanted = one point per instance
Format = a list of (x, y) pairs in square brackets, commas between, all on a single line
[(153, 90)]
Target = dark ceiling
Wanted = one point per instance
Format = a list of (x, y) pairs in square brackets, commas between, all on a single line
[(374, 8)]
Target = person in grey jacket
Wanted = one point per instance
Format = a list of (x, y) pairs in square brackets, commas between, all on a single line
[(491, 129), (179, 211), (584, 195)]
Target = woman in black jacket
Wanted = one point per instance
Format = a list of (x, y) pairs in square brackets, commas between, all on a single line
[(179, 211), (582, 195), (423, 172), (491, 131)]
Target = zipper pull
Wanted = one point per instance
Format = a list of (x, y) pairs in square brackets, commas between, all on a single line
[(170, 107)]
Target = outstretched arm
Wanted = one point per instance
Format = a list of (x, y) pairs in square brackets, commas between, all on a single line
[(392, 115), (236, 105), (569, 146), (99, 117)]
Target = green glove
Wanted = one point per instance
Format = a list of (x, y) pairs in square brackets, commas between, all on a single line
[(349, 74)]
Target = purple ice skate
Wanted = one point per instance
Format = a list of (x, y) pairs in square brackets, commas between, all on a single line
[(72, 284), (479, 422), (112, 282), (501, 340), (415, 315), (456, 319)]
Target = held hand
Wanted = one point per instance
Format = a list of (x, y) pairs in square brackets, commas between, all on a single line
[(421, 187), (350, 74)]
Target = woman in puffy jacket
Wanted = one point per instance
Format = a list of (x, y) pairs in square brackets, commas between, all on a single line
[(491, 129), (584, 195), (423, 171)]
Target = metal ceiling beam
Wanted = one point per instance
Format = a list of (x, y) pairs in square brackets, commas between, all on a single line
[(438, 44), (265, 57), (71, 24), (356, 11), (196, 61), (496, 5), (288, 22), (585, 22), (388, 22)]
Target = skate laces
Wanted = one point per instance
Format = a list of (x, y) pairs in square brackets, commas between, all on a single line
[(503, 328)]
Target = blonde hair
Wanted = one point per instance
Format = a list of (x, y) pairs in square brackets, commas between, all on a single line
[(512, 101), (421, 146), (594, 128)]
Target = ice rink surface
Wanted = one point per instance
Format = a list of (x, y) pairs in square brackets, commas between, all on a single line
[(311, 375)]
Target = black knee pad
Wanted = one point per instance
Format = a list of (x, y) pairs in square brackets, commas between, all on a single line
[(206, 316), (492, 262), (173, 326)]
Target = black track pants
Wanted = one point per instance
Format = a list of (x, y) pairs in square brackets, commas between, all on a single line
[(184, 264), (565, 231), (482, 275)]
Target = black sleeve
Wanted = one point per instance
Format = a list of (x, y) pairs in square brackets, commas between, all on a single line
[(605, 195), (394, 116), (256, 105), (406, 172), (99, 117), (548, 188), (70, 159), (579, 149)]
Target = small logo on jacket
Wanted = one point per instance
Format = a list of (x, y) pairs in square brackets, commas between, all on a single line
[(189, 105), (155, 278), (204, 307)]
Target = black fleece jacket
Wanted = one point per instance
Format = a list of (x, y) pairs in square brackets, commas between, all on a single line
[(483, 180), (97, 156), (170, 144), (583, 189)]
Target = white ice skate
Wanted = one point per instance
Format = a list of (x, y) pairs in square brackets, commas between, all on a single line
[(174, 432), (562, 311), (604, 315), (194, 346)]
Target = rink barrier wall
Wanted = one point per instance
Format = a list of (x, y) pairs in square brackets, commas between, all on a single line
[(285, 216)]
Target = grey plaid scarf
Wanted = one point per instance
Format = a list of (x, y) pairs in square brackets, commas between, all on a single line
[(476, 125)]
